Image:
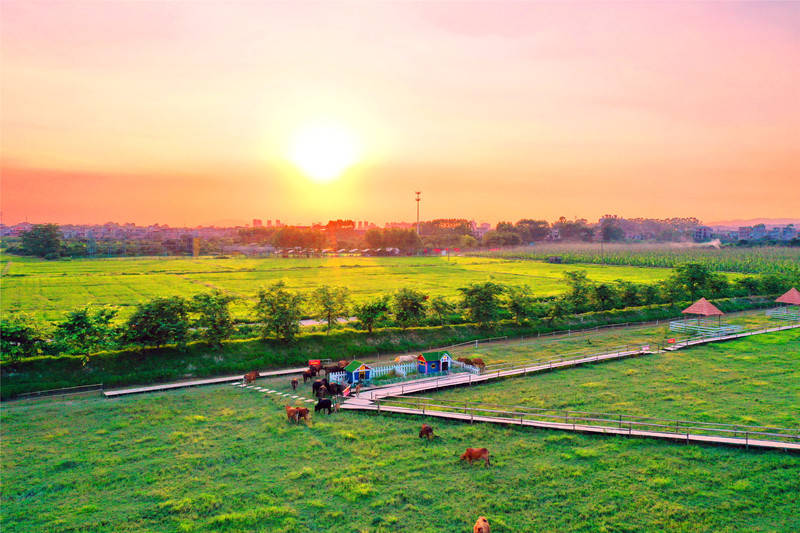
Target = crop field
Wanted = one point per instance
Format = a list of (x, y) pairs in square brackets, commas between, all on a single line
[(48, 289), (749, 381), (225, 459), (761, 259)]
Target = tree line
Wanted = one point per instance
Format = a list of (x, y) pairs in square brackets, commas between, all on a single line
[(276, 311)]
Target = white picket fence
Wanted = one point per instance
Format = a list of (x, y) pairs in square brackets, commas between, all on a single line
[(401, 369), (338, 377), (464, 366)]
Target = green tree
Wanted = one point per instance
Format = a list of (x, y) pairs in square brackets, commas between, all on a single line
[(628, 293), (372, 312), (213, 316), (84, 331), (330, 304), (159, 322), (408, 306), (692, 278), (603, 297), (20, 337), (441, 308), (559, 308), (578, 289), (278, 310), (520, 302), (481, 301), (42, 240)]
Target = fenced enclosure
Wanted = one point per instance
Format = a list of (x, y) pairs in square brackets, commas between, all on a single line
[(704, 327), (784, 313)]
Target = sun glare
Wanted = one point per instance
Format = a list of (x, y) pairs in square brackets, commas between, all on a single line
[(324, 151)]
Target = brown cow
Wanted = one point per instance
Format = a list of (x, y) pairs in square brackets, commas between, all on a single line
[(302, 412), (465, 360), (332, 368), (475, 454), (343, 363), (481, 526), (291, 414), (251, 376), (479, 363), (308, 374), (358, 389), (294, 384), (322, 392), (426, 432)]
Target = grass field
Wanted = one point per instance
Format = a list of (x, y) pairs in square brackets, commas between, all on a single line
[(755, 381), (225, 459), (50, 288), (591, 341)]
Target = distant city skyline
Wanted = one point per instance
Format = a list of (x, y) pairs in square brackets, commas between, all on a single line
[(187, 113)]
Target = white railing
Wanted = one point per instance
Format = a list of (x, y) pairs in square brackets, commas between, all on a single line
[(466, 367), (706, 327), (338, 377), (784, 313)]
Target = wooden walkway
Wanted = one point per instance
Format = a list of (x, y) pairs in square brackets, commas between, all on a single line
[(367, 405), (196, 383)]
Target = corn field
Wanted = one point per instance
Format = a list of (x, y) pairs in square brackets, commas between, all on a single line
[(757, 260)]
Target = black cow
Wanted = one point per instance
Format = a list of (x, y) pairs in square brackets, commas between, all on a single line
[(323, 404), (319, 383), (335, 389)]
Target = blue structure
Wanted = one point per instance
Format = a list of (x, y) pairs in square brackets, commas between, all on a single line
[(357, 371), (433, 362)]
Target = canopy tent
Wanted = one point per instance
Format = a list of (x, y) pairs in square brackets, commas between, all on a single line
[(702, 307), (790, 310), (790, 297)]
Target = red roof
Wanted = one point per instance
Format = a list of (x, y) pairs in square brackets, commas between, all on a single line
[(792, 297), (702, 307)]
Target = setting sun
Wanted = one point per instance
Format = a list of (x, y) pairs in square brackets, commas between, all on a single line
[(324, 151)]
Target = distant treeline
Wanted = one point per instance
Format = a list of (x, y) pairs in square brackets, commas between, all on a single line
[(45, 240), (277, 311)]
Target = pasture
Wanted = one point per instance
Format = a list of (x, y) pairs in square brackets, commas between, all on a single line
[(48, 289), (225, 459), (749, 381)]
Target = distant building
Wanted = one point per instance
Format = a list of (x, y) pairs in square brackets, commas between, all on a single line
[(744, 233), (702, 234), (257, 223)]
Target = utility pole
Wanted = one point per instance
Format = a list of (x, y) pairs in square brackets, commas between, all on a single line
[(418, 199)]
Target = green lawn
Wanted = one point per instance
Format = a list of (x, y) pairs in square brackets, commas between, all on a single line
[(225, 459), (594, 341), (50, 288), (755, 381)]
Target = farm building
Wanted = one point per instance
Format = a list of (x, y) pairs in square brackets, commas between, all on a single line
[(357, 371), (433, 362)]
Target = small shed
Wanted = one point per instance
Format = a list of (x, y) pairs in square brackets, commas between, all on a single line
[(433, 362), (703, 309), (357, 371)]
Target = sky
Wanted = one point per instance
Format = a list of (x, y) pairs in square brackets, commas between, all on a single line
[(184, 112)]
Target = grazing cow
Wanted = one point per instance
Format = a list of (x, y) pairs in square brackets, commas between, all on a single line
[(323, 404), (405, 359), (319, 383), (426, 432), (307, 374), (332, 368), (294, 384), (465, 360), (358, 389), (302, 413), (291, 413), (481, 526), (479, 363), (322, 392), (335, 389), (476, 454), (343, 363), (251, 376)]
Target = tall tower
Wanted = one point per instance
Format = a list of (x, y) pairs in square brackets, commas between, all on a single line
[(418, 199)]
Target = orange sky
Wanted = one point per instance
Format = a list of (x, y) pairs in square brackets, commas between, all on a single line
[(181, 112)]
